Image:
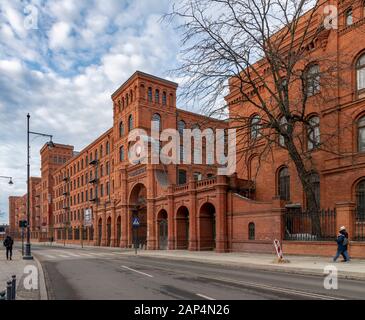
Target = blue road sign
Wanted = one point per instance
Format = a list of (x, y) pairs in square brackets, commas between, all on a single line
[(135, 222)]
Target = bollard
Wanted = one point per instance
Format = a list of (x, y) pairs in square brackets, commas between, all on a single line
[(2, 295), (8, 290), (13, 287)]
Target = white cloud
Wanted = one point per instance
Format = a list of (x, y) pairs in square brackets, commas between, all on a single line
[(64, 73)]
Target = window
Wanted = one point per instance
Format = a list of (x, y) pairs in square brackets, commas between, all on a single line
[(360, 200), (313, 79), (101, 151), (107, 147), (349, 17), (314, 180), (361, 134), (121, 153), (107, 168), (314, 138), (164, 98), (360, 75), (181, 127), (149, 94), (107, 188), (284, 184), (121, 129), (130, 123), (101, 190), (181, 177), (255, 127), (157, 96), (282, 123), (156, 118), (197, 176), (251, 231), (127, 99)]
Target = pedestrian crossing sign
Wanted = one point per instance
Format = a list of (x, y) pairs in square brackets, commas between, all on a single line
[(135, 222)]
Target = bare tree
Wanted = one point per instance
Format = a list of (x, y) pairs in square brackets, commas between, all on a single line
[(263, 50)]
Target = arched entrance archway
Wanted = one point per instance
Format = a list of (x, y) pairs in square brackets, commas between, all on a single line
[(119, 230), (182, 228), (108, 231), (138, 208), (100, 230), (207, 225), (162, 221)]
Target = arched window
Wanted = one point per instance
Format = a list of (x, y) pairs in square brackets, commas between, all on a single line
[(156, 118), (119, 105), (284, 184), (131, 94), (157, 96), (360, 75), (255, 127), (360, 200), (164, 98), (149, 94), (121, 129), (127, 99), (180, 127), (314, 138), (156, 122), (313, 80), (349, 17), (121, 153), (251, 231), (282, 123), (123, 103), (107, 147), (130, 123), (101, 151), (361, 134)]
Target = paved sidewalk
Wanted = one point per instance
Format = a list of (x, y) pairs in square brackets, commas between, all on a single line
[(16, 267), (297, 264)]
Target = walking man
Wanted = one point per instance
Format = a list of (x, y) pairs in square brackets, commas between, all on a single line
[(342, 244), (8, 244)]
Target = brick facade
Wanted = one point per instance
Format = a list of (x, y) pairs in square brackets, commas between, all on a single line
[(241, 212)]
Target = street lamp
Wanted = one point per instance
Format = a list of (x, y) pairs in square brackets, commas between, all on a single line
[(50, 144), (9, 178)]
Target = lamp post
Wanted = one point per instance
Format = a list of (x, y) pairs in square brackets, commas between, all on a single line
[(28, 252)]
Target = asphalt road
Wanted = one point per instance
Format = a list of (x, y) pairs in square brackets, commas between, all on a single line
[(111, 274)]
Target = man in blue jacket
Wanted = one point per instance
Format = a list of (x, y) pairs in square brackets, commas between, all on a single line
[(342, 244)]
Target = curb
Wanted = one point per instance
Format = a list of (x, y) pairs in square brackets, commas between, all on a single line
[(294, 270), (42, 284)]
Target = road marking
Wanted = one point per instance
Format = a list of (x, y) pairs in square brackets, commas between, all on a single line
[(49, 256), (204, 296), (145, 274), (63, 256), (282, 290), (85, 255)]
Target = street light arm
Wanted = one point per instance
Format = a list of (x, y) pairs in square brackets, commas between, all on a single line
[(4, 177), (41, 134)]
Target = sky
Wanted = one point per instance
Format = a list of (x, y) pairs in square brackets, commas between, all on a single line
[(60, 61)]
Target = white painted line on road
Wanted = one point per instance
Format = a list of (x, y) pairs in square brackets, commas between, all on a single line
[(49, 256), (85, 255), (204, 296), (63, 256), (282, 290), (145, 274)]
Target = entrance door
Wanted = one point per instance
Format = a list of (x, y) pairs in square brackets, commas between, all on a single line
[(163, 234)]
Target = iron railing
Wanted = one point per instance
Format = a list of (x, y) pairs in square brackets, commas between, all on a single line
[(307, 226), (359, 231)]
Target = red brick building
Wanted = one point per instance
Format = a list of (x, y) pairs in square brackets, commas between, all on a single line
[(191, 207)]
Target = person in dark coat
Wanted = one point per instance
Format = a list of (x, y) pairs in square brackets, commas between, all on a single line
[(8, 244), (342, 245)]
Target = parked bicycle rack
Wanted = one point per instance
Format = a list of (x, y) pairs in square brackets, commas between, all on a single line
[(10, 292)]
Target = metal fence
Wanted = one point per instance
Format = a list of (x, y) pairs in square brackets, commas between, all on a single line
[(306, 226), (359, 234)]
